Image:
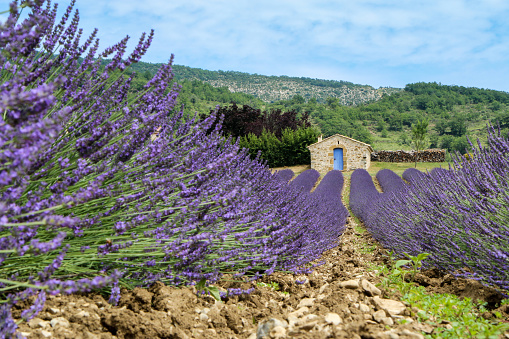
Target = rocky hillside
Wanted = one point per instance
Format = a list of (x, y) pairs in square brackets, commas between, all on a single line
[(274, 88)]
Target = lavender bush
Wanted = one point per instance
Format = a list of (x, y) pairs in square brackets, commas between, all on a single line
[(284, 175), (411, 174), (325, 214), (92, 198), (389, 181), (460, 216), (306, 180), (330, 191), (436, 171), (331, 186), (362, 193)]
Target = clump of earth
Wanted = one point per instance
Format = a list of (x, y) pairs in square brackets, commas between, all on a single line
[(342, 298)]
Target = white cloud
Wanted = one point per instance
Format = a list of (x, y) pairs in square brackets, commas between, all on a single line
[(278, 36)]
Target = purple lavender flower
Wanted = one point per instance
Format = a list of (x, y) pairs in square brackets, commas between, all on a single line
[(411, 174), (284, 175), (459, 215), (306, 180), (363, 193), (37, 307), (8, 325), (389, 181), (231, 292), (115, 294)]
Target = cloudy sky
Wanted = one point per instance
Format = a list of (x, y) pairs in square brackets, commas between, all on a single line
[(377, 42)]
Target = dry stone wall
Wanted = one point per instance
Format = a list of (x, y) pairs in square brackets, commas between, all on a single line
[(355, 154)]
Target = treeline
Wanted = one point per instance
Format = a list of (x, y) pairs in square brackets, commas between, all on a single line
[(191, 73), (197, 96), (324, 83), (280, 138), (194, 95), (435, 94)]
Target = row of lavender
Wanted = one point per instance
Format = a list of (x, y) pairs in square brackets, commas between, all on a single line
[(460, 215), (89, 200), (327, 202)]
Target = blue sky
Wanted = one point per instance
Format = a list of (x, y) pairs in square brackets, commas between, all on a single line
[(378, 43)]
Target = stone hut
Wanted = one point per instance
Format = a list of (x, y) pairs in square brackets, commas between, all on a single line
[(339, 152)]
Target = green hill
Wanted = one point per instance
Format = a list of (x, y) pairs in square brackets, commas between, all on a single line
[(274, 88)]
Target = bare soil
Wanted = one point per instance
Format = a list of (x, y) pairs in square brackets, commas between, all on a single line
[(337, 300)]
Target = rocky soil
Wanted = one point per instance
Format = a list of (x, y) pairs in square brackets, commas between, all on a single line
[(340, 299)]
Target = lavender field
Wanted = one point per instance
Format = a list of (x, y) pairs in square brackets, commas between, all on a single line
[(100, 190), (458, 215)]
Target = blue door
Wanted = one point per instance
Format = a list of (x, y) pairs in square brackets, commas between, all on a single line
[(338, 159)]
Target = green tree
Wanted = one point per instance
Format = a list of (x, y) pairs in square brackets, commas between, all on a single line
[(396, 123), (458, 127), (298, 99), (146, 75), (419, 133), (403, 139), (360, 133), (461, 144), (502, 119), (433, 141), (441, 127), (332, 102), (290, 150), (446, 142), (381, 125)]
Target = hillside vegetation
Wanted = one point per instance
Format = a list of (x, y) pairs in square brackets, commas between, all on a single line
[(383, 120), (454, 112), (274, 88)]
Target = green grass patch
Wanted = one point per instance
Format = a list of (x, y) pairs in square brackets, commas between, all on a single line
[(273, 286), (462, 315), (359, 229), (368, 249), (450, 315)]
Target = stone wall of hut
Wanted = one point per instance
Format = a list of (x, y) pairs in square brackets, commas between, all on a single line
[(355, 154)]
